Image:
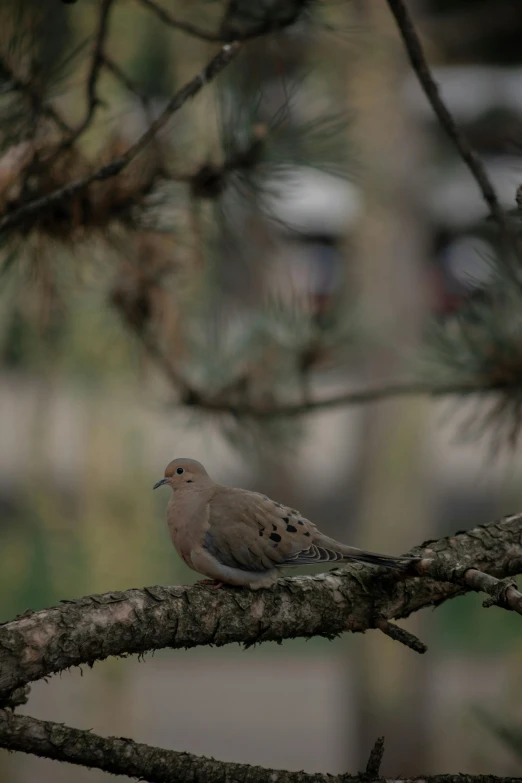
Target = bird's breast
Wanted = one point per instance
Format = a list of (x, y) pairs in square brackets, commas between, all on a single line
[(182, 542), (186, 529)]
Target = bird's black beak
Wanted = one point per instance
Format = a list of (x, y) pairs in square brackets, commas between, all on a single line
[(160, 483)]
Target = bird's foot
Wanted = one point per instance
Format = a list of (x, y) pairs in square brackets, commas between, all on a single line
[(212, 583)]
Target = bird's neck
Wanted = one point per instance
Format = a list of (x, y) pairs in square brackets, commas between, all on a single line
[(188, 503)]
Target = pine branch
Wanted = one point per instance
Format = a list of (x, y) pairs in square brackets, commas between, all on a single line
[(355, 599), (422, 70), (112, 169)]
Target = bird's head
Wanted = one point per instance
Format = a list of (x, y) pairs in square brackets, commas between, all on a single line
[(182, 472)]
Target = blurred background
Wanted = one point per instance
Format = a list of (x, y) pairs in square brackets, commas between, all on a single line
[(297, 230)]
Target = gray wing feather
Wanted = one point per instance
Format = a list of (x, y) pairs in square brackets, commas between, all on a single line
[(311, 556)]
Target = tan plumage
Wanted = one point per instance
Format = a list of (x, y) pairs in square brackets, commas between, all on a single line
[(243, 538)]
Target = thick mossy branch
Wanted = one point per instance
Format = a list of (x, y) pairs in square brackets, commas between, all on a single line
[(356, 598)]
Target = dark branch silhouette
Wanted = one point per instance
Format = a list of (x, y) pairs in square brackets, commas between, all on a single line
[(422, 70), (121, 756)]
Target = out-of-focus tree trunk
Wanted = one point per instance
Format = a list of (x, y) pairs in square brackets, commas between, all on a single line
[(390, 251)]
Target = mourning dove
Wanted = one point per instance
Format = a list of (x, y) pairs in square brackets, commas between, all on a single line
[(237, 537)]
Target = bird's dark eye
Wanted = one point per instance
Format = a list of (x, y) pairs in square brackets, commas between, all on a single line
[(180, 471)]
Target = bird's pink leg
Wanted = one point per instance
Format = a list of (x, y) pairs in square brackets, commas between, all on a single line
[(213, 583)]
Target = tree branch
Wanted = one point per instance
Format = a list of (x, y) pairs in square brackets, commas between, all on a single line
[(421, 68), (216, 65), (356, 598), (121, 756)]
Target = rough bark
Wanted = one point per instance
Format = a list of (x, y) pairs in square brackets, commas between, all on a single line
[(157, 765), (37, 644)]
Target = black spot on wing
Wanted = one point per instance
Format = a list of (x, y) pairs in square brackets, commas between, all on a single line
[(291, 529), (275, 536)]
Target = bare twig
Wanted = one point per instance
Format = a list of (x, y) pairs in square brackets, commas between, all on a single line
[(112, 169), (373, 767), (503, 592), (421, 68), (178, 24), (401, 635), (97, 61)]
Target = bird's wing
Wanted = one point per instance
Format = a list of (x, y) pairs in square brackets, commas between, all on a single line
[(249, 531)]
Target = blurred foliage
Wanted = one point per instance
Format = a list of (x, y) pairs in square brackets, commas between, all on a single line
[(155, 242)]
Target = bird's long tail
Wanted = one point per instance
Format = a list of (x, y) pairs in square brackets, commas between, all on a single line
[(387, 561), (347, 553)]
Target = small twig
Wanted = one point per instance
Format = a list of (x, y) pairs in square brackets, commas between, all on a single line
[(178, 24), (503, 592), (422, 70), (92, 98), (401, 635), (112, 169), (373, 767)]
